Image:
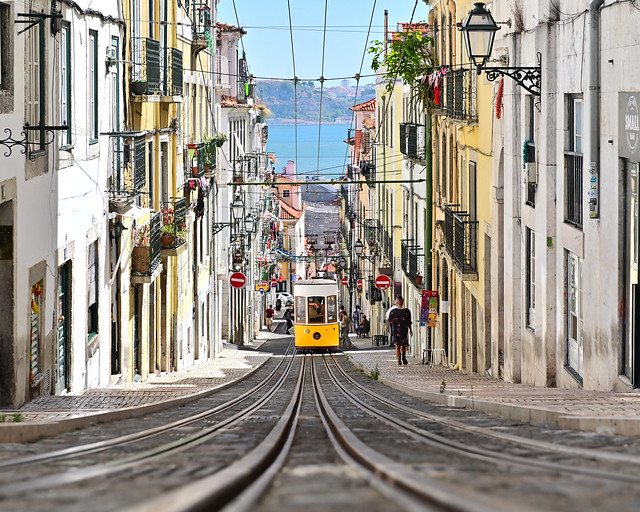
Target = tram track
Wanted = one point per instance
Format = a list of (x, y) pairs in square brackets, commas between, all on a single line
[(162, 450), (600, 455), (493, 456)]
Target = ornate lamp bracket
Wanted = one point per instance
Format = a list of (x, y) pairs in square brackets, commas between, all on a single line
[(526, 77), (10, 142)]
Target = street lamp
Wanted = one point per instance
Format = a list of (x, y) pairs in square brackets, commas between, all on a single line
[(237, 208), (479, 30), (358, 247), (249, 223)]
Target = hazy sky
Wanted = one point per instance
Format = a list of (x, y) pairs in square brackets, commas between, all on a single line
[(268, 39)]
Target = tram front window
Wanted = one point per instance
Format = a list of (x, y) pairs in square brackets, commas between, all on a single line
[(300, 310), (316, 310), (332, 308)]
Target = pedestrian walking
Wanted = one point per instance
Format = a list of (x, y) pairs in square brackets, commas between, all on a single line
[(345, 322), (356, 317), (268, 313), (400, 322), (288, 316)]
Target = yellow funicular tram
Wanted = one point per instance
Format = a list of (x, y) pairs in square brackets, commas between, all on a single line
[(316, 314)]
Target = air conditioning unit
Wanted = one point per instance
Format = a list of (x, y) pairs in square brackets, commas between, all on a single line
[(531, 172)]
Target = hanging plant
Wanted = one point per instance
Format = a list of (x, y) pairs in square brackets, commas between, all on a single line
[(410, 56)]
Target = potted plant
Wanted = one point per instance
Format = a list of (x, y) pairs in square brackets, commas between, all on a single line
[(139, 87), (168, 236), (141, 259)]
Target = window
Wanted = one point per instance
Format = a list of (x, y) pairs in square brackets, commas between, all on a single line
[(530, 271), (36, 85), (316, 309), (93, 85), (574, 314), (92, 291), (6, 49), (573, 165), (286, 193), (332, 308), (473, 199), (65, 83)]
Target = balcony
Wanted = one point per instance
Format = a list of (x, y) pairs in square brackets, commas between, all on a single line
[(128, 174), (461, 241), (368, 172), (458, 96), (173, 235), (412, 140), (412, 261), (156, 70), (200, 162), (145, 260), (245, 93)]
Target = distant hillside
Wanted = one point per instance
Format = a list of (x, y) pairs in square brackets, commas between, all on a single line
[(278, 96)]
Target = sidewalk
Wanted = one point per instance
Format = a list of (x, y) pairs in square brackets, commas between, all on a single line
[(590, 411), (55, 414)]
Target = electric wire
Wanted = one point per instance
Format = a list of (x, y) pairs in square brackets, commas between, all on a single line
[(295, 83), (324, 40)]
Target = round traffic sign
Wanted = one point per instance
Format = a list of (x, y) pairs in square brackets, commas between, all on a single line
[(359, 284), (274, 282), (237, 279), (344, 281), (383, 282)]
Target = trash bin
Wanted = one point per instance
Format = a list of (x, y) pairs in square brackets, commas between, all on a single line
[(380, 340)]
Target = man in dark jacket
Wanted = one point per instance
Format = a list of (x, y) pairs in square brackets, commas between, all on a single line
[(400, 322)]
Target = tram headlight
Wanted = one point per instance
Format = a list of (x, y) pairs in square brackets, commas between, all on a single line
[(316, 335)]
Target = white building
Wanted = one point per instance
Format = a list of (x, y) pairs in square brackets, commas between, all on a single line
[(569, 177)]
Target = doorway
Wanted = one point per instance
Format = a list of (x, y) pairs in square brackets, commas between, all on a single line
[(64, 329)]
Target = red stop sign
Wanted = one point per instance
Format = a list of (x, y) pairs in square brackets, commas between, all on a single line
[(383, 282), (237, 279), (359, 284), (344, 281)]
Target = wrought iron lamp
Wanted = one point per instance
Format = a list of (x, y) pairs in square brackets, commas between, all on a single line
[(358, 247), (479, 29)]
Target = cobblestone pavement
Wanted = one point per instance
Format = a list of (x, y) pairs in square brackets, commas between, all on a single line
[(593, 411)]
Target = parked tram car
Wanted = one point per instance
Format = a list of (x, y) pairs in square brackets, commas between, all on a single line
[(316, 314)]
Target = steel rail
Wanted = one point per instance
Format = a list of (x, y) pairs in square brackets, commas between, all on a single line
[(132, 461), (476, 452), (98, 446), (519, 440), (432, 493), (257, 467)]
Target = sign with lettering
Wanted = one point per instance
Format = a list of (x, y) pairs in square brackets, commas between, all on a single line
[(629, 125)]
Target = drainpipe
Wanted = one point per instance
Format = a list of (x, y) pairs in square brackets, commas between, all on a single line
[(594, 109)]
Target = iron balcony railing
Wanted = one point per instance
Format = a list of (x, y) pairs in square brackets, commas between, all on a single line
[(128, 176), (412, 140), (573, 187), (412, 260), (150, 63), (147, 252), (368, 172), (461, 240), (387, 244), (458, 96), (201, 20), (174, 215)]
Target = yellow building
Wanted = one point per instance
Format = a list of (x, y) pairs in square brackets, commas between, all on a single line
[(462, 170), (160, 194)]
